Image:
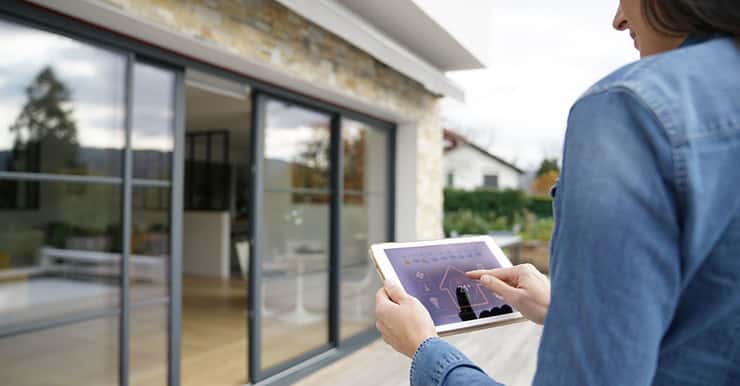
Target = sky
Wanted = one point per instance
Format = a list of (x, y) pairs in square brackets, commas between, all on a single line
[(541, 55)]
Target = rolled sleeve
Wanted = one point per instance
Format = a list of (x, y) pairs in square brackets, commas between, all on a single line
[(436, 362)]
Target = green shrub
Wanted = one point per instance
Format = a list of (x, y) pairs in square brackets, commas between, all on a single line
[(509, 204), (538, 229), (467, 222), (540, 206)]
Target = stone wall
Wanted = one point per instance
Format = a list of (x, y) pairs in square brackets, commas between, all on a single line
[(267, 31), (429, 182)]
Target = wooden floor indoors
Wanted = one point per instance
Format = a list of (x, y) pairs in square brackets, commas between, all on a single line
[(214, 333), (214, 338)]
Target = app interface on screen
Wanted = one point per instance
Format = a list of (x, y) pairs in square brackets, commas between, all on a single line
[(436, 276)]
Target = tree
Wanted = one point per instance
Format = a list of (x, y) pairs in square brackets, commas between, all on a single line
[(547, 175), (311, 168), (46, 126), (548, 165)]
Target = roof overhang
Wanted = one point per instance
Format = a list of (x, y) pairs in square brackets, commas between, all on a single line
[(398, 33), (410, 23)]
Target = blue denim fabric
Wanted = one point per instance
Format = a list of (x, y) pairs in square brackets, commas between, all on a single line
[(435, 359), (645, 264)]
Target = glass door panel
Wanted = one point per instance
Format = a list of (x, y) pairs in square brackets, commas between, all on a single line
[(364, 222), (294, 304)]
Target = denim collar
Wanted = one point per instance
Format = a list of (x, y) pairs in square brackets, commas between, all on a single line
[(698, 38)]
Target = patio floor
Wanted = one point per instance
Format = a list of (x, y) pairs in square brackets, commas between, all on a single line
[(508, 353)]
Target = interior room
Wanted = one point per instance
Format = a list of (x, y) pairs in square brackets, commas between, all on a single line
[(215, 220), (295, 304)]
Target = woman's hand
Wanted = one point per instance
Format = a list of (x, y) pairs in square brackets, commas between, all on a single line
[(402, 319), (522, 286)]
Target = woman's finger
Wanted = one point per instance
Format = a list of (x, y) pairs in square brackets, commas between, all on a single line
[(500, 288), (509, 274)]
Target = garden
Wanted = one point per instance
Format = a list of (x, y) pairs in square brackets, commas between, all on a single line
[(483, 211)]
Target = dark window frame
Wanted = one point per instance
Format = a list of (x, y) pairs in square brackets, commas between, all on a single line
[(50, 21), (336, 192), (196, 178), (29, 16)]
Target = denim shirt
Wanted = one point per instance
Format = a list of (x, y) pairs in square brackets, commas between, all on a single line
[(645, 266)]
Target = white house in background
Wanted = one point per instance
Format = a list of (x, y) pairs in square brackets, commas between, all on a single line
[(468, 166)]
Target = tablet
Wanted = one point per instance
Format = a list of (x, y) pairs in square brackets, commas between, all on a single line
[(434, 273)]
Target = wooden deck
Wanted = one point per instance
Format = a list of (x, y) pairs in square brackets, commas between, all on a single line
[(508, 353)]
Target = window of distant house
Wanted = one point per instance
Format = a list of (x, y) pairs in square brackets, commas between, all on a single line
[(450, 179), (490, 181)]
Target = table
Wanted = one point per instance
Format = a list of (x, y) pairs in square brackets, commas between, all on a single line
[(508, 240), (299, 314)]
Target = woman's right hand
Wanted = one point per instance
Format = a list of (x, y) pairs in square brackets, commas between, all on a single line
[(522, 286)]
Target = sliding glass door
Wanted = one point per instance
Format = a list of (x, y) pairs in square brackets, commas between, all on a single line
[(87, 185), (295, 218), (320, 197), (364, 220)]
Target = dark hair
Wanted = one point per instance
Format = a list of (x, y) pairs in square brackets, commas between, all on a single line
[(694, 17)]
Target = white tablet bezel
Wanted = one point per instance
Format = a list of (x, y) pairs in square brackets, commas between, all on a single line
[(386, 271)]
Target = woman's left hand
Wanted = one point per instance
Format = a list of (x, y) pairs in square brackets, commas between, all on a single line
[(402, 319)]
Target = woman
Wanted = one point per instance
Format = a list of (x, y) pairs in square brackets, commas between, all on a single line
[(646, 248)]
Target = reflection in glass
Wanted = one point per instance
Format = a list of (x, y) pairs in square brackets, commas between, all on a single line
[(19, 195), (153, 122), (364, 222), (77, 354), (62, 256), (296, 220), (365, 157), (148, 346), (296, 148), (295, 276), (150, 242), (62, 104)]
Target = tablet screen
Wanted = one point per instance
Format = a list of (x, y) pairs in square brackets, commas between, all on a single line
[(436, 276)]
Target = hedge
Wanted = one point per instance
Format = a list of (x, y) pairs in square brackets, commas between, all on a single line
[(541, 206), (485, 210), (510, 204)]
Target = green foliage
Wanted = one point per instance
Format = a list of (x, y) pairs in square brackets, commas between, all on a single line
[(548, 165), (482, 211), (538, 229), (467, 222), (540, 206), (509, 204), (46, 125)]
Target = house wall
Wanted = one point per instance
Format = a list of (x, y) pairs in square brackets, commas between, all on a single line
[(268, 32), (469, 165)]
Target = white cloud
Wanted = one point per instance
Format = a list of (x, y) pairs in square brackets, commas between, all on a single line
[(286, 143), (76, 68), (9, 109), (543, 55)]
